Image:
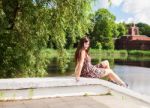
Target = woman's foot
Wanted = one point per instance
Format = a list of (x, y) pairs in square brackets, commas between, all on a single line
[(124, 85)]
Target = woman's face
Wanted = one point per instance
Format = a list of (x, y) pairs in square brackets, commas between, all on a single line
[(86, 45)]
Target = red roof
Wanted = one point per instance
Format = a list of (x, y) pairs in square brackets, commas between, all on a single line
[(140, 37)]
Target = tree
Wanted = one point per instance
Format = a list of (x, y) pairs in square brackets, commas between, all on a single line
[(28, 25), (121, 29), (144, 29), (104, 29)]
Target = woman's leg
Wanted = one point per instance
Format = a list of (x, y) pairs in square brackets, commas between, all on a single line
[(113, 76), (105, 64)]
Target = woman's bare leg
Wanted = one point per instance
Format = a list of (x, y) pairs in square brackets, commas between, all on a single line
[(105, 64), (113, 76)]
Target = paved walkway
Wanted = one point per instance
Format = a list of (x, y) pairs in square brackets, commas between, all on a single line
[(107, 101)]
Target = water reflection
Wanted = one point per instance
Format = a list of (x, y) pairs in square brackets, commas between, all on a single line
[(138, 78), (133, 63)]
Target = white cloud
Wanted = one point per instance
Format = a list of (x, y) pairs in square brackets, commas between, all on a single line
[(136, 6), (106, 4), (101, 4), (139, 9), (116, 2)]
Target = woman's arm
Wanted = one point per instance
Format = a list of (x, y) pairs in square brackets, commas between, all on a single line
[(79, 66)]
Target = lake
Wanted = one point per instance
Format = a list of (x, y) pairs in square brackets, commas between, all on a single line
[(135, 72)]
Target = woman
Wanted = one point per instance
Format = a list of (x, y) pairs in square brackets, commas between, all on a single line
[(84, 68)]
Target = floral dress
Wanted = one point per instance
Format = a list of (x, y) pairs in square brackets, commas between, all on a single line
[(89, 70)]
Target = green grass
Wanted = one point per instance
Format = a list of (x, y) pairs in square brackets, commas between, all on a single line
[(139, 52), (108, 54), (96, 53)]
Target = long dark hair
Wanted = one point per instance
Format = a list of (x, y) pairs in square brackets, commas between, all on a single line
[(80, 47)]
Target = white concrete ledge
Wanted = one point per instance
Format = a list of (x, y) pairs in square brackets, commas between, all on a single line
[(22, 83), (33, 88)]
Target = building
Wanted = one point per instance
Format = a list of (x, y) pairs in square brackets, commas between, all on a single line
[(133, 41)]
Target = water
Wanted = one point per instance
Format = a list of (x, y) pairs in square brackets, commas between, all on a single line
[(138, 78), (134, 72)]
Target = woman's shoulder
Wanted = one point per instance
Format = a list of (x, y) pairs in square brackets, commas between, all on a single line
[(83, 53)]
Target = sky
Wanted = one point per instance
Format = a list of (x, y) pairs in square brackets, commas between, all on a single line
[(128, 11)]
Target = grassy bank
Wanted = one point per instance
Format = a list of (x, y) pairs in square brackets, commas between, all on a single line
[(97, 53), (139, 52), (108, 53)]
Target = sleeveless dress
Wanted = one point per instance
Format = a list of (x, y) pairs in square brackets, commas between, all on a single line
[(89, 70)]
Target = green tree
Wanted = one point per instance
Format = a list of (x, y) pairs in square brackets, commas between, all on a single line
[(144, 29), (104, 29), (28, 25), (121, 29)]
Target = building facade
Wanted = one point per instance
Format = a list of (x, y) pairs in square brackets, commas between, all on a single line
[(133, 41)]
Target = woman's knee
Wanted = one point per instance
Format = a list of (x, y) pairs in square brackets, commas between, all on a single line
[(108, 71), (107, 61), (107, 64)]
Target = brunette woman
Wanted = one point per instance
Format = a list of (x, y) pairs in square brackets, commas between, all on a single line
[(84, 68)]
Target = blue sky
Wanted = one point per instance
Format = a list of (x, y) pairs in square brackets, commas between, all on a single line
[(120, 15), (127, 10)]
